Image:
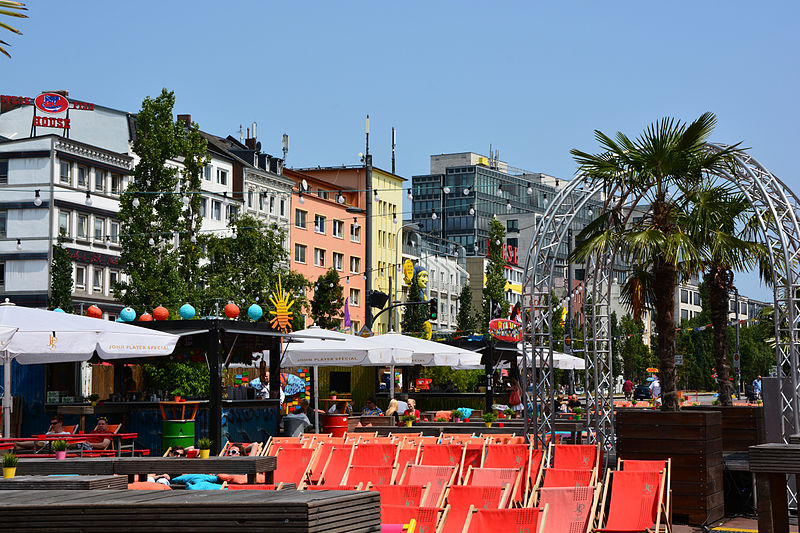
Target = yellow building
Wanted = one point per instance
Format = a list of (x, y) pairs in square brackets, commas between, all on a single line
[(387, 219)]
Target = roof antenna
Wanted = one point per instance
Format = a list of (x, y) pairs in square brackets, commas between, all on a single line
[(241, 134), (285, 146), (394, 144)]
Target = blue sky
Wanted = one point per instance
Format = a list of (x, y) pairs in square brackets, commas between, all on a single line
[(533, 79)]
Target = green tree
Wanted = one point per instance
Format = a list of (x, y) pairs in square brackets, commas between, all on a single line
[(635, 354), (668, 160), (327, 305), (150, 212), (465, 319), (61, 278), (715, 214), (414, 316), (10, 8), (494, 293)]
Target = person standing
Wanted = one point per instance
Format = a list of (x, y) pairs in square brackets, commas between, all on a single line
[(757, 388), (655, 388), (627, 388), (515, 398)]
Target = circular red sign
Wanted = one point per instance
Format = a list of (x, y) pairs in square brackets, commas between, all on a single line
[(51, 103)]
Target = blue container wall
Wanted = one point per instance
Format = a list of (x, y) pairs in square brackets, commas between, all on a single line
[(28, 381)]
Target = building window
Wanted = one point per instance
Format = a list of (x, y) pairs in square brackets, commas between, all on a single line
[(696, 298), (355, 264), (217, 206), (250, 198), (203, 205), (113, 278), (355, 297), (222, 176), (83, 226), (97, 279), (99, 180), (231, 211), (300, 253), (300, 218), (319, 224), (355, 233), (322, 194), (63, 222), (207, 173), (338, 261), (338, 229), (82, 172), (319, 257), (99, 226), (684, 314), (80, 278), (271, 205), (115, 232), (2, 274), (261, 201), (3, 170), (283, 208), (684, 296), (64, 175), (3, 223), (116, 183)]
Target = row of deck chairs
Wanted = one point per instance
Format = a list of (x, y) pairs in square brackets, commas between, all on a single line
[(445, 483)]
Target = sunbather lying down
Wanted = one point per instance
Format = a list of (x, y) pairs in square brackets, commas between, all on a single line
[(56, 428)]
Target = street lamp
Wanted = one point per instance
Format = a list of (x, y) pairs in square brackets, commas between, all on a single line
[(418, 226)]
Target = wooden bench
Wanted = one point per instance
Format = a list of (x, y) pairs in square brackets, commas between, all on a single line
[(64, 483), (771, 463)]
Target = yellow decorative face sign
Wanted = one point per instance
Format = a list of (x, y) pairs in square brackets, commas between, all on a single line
[(428, 330), (408, 271), (283, 304)]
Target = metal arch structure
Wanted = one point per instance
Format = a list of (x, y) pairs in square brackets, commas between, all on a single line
[(777, 210)]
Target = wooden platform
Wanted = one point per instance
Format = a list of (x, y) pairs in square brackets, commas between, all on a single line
[(61, 511), (64, 483)]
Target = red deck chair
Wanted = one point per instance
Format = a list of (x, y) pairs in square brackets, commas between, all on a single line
[(378, 440), (571, 510), (334, 487), (494, 477), (336, 466), (426, 517), (408, 495), (375, 455), (321, 460), (293, 465), (497, 438), (417, 440), (273, 447), (442, 455), (461, 499), (575, 456), (377, 475), (473, 456), (460, 438), (513, 520), (567, 477), (408, 455), (438, 476), (653, 466), (636, 501), (512, 456)]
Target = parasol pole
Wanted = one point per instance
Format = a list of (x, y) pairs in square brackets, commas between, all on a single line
[(316, 397), (391, 383), (7, 402)]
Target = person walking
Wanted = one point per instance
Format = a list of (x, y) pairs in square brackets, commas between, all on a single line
[(757, 388), (655, 388), (627, 388)]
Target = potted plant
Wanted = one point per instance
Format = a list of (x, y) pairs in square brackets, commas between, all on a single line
[(578, 412), (60, 448), (488, 418), (333, 394), (9, 465), (456, 415), (409, 420), (93, 399), (204, 445), (440, 419)]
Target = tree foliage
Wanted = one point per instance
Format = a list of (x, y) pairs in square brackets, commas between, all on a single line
[(415, 316), (327, 305), (494, 293), (60, 278), (465, 319), (10, 8)]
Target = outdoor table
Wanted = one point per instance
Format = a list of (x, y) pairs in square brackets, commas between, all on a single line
[(575, 427), (70, 465), (771, 463), (175, 406), (70, 438), (64, 483), (213, 465)]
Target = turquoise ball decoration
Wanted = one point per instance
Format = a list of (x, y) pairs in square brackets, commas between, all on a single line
[(255, 312), (119, 320), (58, 310), (187, 312), (127, 315)]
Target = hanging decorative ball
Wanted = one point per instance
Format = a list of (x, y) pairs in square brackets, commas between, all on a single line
[(186, 311), (58, 310), (127, 314), (146, 317), (94, 312), (161, 313), (255, 312), (231, 310)]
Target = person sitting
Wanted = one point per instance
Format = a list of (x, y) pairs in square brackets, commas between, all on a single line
[(56, 428), (573, 402), (96, 442), (392, 411), (177, 451), (342, 407), (412, 409), (371, 409), (237, 449)]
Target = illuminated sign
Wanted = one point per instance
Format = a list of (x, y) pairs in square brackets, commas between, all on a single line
[(503, 329), (48, 103), (51, 103), (509, 253), (283, 304)]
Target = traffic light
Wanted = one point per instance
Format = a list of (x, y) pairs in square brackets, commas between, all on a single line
[(433, 308)]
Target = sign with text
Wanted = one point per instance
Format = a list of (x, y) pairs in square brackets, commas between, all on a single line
[(49, 103), (506, 330)]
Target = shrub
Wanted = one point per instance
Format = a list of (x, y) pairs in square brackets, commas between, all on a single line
[(10, 460), (409, 418), (204, 443), (490, 416), (59, 445)]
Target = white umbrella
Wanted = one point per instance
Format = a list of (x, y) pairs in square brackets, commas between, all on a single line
[(48, 337), (429, 353), (561, 360)]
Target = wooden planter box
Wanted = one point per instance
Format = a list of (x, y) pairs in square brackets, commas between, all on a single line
[(693, 440), (742, 426)]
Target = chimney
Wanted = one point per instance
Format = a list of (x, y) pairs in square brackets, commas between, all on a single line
[(250, 142), (185, 119)]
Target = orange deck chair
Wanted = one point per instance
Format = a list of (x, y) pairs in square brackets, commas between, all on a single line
[(571, 510), (375, 455), (426, 518), (515, 456), (321, 460), (653, 466), (575, 456), (636, 502), (494, 477), (566, 477), (377, 475), (293, 465), (442, 455), (408, 454), (460, 499), (273, 446), (526, 520), (440, 477), (336, 466), (408, 495)]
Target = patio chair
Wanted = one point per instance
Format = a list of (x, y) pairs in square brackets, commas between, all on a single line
[(293, 465), (494, 477), (426, 518), (571, 510), (440, 477), (377, 475), (574, 456), (459, 438), (497, 438), (285, 442), (513, 456), (460, 499), (636, 502), (375, 455), (526, 520), (408, 455), (324, 451), (473, 456), (567, 477), (653, 466), (334, 487), (408, 495), (442, 455), (336, 465)]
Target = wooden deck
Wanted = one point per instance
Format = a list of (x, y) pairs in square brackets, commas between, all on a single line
[(61, 511), (65, 483)]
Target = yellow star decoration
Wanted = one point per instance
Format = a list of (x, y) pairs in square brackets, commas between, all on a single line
[(283, 303)]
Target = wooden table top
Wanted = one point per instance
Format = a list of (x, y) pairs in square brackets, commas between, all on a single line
[(64, 483), (144, 465)]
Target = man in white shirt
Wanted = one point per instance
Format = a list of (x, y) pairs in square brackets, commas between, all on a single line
[(655, 389)]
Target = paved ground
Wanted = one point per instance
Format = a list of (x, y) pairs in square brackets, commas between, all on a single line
[(737, 525)]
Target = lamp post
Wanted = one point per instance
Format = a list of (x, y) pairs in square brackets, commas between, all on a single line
[(368, 230), (418, 225)]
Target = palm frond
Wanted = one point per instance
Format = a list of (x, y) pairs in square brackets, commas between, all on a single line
[(10, 8)]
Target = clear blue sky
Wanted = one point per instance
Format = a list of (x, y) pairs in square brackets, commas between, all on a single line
[(533, 79)]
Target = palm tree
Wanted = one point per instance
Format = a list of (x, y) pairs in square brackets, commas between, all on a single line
[(716, 216), (661, 167), (11, 9)]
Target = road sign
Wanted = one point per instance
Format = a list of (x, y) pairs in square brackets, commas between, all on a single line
[(737, 361), (678, 359)]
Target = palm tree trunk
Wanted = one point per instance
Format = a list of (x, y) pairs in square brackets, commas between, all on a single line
[(665, 281), (718, 303)]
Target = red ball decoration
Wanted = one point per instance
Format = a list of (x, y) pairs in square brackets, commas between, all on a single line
[(146, 317), (94, 312), (161, 313), (231, 310)]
